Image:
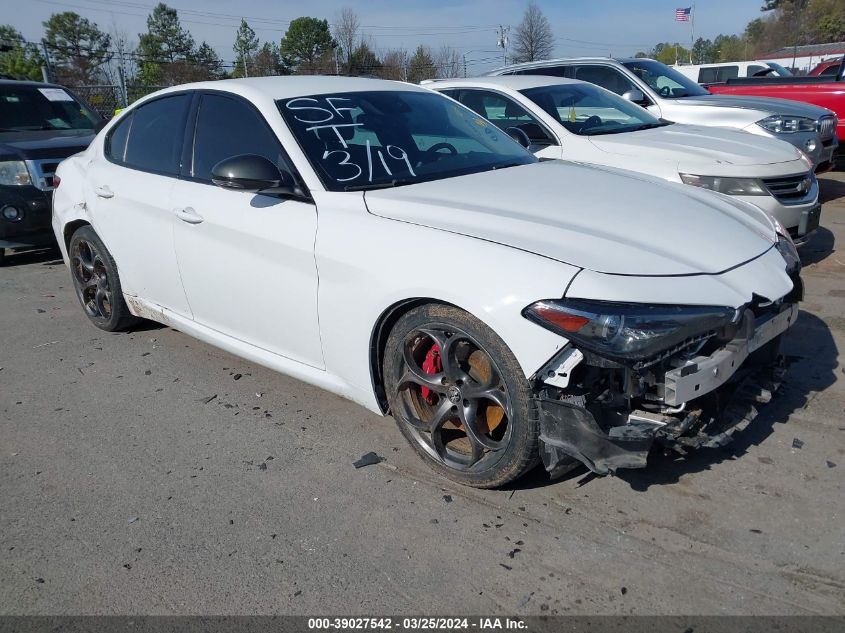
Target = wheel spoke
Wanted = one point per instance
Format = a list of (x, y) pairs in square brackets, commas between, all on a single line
[(446, 344), (100, 299), (477, 438), (494, 394)]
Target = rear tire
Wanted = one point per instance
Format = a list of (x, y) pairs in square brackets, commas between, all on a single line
[(460, 397), (97, 283)]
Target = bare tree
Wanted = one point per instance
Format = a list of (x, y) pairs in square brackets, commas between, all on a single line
[(533, 38), (449, 63), (346, 33), (394, 65)]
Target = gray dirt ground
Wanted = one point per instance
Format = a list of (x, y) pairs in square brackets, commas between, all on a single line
[(97, 429)]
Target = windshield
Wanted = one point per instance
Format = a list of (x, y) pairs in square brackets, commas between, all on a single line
[(587, 110), (779, 70), (665, 81), (367, 140), (27, 108)]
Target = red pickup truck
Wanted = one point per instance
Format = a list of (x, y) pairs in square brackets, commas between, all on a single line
[(827, 91)]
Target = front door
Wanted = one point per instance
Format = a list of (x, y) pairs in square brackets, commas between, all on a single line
[(246, 260)]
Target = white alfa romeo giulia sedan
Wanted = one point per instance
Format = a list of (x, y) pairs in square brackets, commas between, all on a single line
[(391, 246)]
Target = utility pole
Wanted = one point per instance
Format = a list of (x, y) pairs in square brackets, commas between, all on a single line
[(47, 71), (502, 41), (691, 32)]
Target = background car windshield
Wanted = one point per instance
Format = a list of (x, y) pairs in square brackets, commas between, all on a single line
[(382, 138), (664, 80), (586, 110), (27, 108)]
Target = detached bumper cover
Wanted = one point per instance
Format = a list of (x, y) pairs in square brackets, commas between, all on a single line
[(567, 430)]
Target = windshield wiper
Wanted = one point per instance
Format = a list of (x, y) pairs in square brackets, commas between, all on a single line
[(396, 182), (648, 126), (506, 165)]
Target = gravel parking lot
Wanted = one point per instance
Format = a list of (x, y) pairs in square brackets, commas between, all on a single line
[(148, 473)]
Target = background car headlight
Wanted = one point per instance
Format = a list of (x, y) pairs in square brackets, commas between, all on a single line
[(627, 331), (779, 124), (729, 186), (14, 172)]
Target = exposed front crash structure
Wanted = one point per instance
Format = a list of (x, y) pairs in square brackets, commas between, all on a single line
[(608, 413)]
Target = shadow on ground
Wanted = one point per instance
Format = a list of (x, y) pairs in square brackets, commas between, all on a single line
[(47, 256), (820, 246), (830, 190), (812, 363)]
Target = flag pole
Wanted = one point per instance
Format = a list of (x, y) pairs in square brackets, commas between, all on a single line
[(691, 31)]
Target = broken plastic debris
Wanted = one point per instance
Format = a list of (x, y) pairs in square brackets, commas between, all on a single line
[(368, 459), (447, 498), (796, 443), (132, 520), (262, 466), (237, 376), (830, 464), (208, 399)]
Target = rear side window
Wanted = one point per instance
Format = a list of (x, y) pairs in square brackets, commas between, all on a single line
[(154, 140), (229, 127), (116, 141), (717, 74), (551, 71), (608, 78)]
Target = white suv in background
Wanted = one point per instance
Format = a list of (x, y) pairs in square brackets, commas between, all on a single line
[(721, 72), (669, 95)]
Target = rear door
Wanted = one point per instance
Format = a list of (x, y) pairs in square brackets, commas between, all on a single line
[(129, 190), (246, 260)]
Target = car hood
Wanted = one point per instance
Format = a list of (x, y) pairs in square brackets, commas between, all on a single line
[(44, 144), (766, 105), (697, 145), (599, 218)]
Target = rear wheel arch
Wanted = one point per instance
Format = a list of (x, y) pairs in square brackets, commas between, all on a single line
[(70, 228)]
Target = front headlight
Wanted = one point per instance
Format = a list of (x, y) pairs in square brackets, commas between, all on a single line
[(787, 250), (628, 332), (14, 172), (778, 124), (729, 186)]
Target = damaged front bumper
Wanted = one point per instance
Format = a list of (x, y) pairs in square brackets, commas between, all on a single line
[(700, 401)]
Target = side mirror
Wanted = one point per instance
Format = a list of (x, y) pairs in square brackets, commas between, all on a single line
[(519, 136), (634, 96), (255, 174)]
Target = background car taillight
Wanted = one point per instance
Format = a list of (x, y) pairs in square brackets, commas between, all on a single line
[(56, 182)]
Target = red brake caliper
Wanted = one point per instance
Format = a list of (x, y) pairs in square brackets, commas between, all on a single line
[(431, 365)]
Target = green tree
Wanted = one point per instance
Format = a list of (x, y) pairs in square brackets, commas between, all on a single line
[(17, 58), (246, 44), (421, 65), (305, 45), (267, 61), (208, 62), (166, 49), (703, 52), (77, 46), (363, 61)]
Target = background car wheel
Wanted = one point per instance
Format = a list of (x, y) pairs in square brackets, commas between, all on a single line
[(96, 282), (459, 397)]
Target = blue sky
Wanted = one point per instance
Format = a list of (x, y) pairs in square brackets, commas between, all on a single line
[(581, 27)]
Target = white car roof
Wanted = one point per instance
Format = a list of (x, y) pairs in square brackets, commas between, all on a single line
[(514, 82), (272, 88)]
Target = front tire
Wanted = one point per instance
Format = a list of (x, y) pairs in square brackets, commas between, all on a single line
[(460, 398), (96, 282)]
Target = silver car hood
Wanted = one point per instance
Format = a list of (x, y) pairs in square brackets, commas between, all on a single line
[(763, 104)]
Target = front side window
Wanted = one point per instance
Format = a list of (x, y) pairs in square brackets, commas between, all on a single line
[(229, 127), (505, 113), (587, 110), (27, 108), (663, 80), (155, 135), (364, 140)]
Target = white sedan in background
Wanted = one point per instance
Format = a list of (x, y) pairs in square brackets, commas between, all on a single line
[(390, 245), (575, 120)]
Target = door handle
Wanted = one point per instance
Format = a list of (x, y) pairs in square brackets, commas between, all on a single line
[(187, 214), (104, 192)]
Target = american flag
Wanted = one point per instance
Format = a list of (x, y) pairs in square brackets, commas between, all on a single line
[(682, 15)]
